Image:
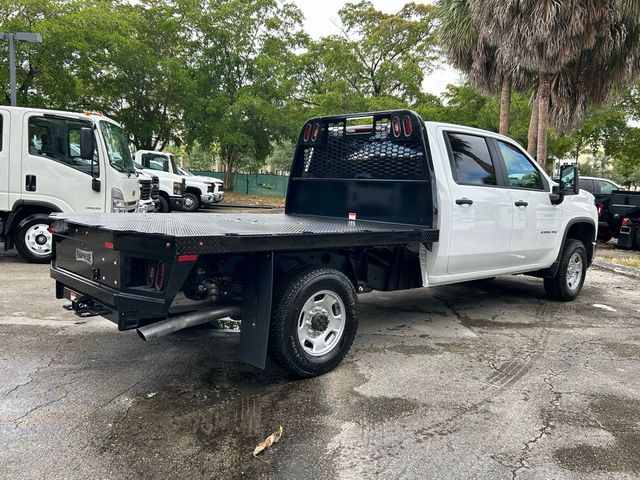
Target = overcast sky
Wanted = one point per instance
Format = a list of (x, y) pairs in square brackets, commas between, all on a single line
[(322, 15)]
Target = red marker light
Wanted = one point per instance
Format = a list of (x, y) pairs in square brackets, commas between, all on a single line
[(625, 222), (160, 276), (316, 132), (395, 124), (406, 124), (108, 245), (188, 258), (307, 132)]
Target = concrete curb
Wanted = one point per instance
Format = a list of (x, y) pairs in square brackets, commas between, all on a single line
[(632, 272)]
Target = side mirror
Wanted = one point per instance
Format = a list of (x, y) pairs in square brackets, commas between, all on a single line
[(87, 144), (568, 184), (569, 180), (556, 195)]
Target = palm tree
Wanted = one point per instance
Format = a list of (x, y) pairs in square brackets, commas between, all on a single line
[(543, 36), (469, 50)]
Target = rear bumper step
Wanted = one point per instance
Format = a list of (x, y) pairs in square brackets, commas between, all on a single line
[(125, 309)]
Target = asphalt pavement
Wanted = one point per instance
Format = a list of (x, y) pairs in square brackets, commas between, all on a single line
[(486, 380)]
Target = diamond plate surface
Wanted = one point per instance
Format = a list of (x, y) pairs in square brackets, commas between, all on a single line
[(210, 232)]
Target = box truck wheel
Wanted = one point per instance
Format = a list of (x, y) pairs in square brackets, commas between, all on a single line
[(569, 278), (191, 202), (32, 239), (314, 320), (163, 205)]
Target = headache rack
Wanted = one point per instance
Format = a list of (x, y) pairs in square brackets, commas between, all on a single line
[(370, 166)]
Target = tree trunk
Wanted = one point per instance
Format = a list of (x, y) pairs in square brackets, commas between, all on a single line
[(544, 91), (505, 105), (229, 156), (532, 138)]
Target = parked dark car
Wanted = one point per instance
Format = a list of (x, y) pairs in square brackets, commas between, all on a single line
[(601, 189)]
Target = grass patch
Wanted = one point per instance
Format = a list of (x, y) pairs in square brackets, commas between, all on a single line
[(626, 261), (235, 197)]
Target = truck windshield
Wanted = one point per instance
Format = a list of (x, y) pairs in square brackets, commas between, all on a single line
[(117, 147)]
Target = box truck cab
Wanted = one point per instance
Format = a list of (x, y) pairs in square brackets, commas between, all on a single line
[(172, 186), (198, 191), (57, 161)]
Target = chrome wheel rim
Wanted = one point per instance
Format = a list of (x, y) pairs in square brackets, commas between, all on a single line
[(321, 323), (38, 239), (188, 202), (574, 271)]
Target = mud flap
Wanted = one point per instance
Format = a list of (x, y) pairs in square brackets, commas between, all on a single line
[(256, 309)]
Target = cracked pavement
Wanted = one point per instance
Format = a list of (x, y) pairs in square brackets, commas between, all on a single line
[(486, 380)]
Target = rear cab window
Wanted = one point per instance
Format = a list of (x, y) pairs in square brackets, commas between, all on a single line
[(605, 187), (471, 161)]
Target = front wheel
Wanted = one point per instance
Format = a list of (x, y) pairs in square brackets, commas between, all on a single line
[(163, 205), (33, 239), (313, 322), (569, 279), (191, 202)]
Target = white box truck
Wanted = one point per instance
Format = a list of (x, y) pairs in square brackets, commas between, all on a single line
[(57, 161)]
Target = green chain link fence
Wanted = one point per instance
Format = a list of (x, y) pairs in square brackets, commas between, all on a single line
[(255, 183)]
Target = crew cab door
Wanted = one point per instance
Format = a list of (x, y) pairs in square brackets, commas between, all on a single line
[(536, 222), (4, 161), (52, 170), (482, 211)]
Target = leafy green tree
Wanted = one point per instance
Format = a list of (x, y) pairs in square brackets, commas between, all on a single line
[(243, 90)]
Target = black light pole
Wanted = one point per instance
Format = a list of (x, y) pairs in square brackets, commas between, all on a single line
[(12, 38)]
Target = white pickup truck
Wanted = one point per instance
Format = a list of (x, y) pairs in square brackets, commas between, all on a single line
[(199, 190), (58, 161), (376, 201)]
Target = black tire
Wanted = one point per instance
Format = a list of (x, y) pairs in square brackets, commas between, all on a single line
[(285, 347), (28, 232), (164, 206), (637, 240), (191, 202), (559, 287)]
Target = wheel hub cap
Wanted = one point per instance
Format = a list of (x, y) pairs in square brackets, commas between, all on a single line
[(321, 323), (574, 271), (38, 239)]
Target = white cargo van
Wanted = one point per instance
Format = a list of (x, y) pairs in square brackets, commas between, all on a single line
[(57, 161)]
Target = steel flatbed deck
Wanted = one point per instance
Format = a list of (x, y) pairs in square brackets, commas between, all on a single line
[(207, 233)]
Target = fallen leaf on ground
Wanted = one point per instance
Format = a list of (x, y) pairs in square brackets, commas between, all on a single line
[(267, 442)]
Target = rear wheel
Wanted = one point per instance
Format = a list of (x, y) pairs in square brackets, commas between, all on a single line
[(164, 206), (191, 202), (33, 240), (567, 283), (313, 322)]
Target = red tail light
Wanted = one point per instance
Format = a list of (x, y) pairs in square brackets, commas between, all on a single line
[(151, 274), (307, 132), (406, 124), (397, 128), (160, 276), (625, 222), (316, 132), (599, 210)]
